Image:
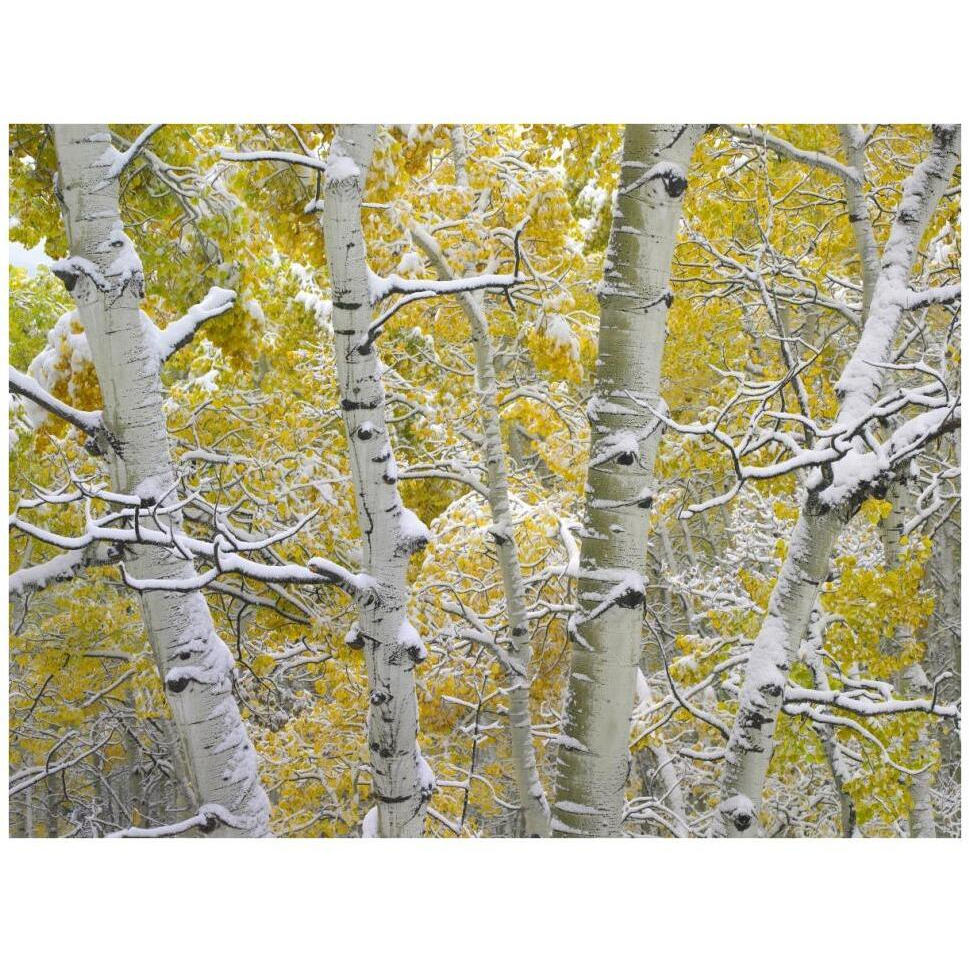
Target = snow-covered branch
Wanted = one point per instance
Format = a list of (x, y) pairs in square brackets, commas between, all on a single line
[(317, 571), (414, 290), (88, 421), (178, 334), (60, 568), (850, 471), (383, 286), (816, 159), (795, 697), (206, 820), (919, 299), (118, 161), (856, 474), (287, 157)]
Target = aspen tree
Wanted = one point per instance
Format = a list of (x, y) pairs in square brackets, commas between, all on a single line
[(593, 755), (104, 277), (829, 503)]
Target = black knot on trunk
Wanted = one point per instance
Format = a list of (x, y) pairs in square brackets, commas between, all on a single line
[(68, 278), (674, 183), (755, 720), (626, 458), (630, 598), (178, 684), (377, 697), (412, 544), (742, 820)]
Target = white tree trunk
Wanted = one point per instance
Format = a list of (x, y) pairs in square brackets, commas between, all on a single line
[(530, 791), (402, 780), (852, 140), (459, 149), (664, 775), (593, 757), (840, 770), (912, 680), (805, 567), (105, 279)]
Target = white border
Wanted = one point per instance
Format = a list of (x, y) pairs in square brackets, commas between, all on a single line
[(475, 904)]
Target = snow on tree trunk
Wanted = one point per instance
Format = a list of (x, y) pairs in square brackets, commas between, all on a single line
[(530, 790), (593, 751), (789, 610), (105, 279), (402, 780), (459, 149), (829, 504)]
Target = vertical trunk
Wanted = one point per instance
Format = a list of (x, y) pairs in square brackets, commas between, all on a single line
[(912, 680), (945, 643), (658, 773), (852, 140), (402, 780), (50, 806), (751, 742), (530, 791), (29, 812), (459, 149), (104, 276), (136, 807), (593, 758), (840, 771), (18, 824)]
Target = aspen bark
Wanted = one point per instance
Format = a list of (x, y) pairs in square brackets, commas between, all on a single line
[(912, 680), (459, 149), (593, 754), (789, 609), (402, 780), (852, 140), (104, 278), (840, 771), (658, 773)]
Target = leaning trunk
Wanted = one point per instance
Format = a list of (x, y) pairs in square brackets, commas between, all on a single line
[(805, 567), (104, 277)]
